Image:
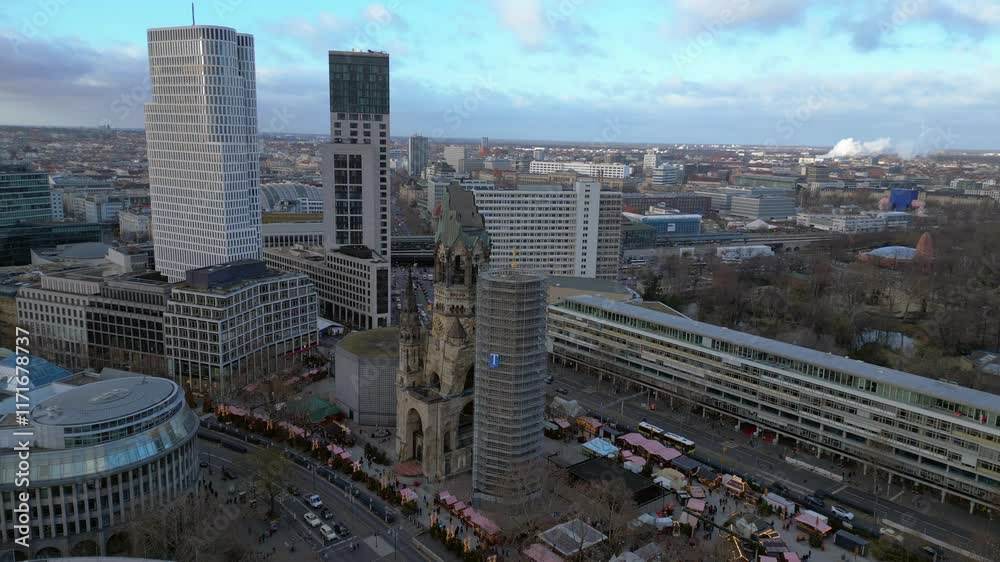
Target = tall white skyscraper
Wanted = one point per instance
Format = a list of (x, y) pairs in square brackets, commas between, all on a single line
[(201, 141)]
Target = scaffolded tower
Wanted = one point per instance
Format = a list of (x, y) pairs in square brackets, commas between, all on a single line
[(510, 385)]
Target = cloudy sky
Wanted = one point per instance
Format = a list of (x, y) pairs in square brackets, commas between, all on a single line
[(805, 72)]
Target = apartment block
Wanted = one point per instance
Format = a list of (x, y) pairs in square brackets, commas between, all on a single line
[(924, 431), (570, 232)]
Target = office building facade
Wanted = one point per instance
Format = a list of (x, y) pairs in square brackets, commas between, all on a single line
[(351, 270), (359, 130), (762, 207), (102, 453), (418, 155), (668, 225), (231, 325), (135, 225), (571, 232), (201, 140), (24, 195), (935, 434), (668, 174), (590, 169), (510, 385), (17, 241)]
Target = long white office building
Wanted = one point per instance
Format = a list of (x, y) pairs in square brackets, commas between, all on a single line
[(936, 434), (591, 169), (201, 142), (572, 232)]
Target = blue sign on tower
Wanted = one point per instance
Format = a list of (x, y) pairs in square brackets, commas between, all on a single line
[(494, 360)]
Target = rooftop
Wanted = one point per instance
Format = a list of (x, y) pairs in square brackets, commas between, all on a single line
[(931, 387), (103, 401), (380, 342), (600, 469)]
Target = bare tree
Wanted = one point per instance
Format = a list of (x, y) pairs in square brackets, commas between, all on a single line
[(269, 468), (184, 530)]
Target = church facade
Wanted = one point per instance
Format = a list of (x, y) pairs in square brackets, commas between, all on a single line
[(434, 402)]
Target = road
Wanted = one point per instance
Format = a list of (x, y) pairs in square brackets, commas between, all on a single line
[(373, 534), (722, 446)]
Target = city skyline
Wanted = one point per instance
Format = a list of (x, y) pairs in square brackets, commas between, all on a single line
[(817, 74)]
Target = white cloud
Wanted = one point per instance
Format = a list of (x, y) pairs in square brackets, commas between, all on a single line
[(525, 19), (699, 15), (986, 12)]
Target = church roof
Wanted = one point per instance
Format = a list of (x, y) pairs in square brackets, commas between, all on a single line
[(460, 219)]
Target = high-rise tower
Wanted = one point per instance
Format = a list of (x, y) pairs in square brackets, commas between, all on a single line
[(418, 155), (359, 131), (201, 142), (510, 385)]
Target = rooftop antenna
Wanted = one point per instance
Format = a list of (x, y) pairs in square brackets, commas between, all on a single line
[(192, 13)]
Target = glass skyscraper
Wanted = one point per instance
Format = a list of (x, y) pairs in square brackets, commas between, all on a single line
[(24, 195)]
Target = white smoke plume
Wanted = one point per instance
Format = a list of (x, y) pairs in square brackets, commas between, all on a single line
[(851, 148), (929, 141)]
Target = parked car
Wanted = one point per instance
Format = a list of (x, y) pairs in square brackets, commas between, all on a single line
[(842, 513), (293, 489), (311, 519), (549, 380), (779, 488), (314, 501), (562, 390), (327, 533), (326, 514), (813, 501), (341, 530)]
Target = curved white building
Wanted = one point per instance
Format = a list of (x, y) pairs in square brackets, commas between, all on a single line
[(98, 454)]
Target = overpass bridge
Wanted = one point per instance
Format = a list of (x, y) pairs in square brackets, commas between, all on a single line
[(412, 249)]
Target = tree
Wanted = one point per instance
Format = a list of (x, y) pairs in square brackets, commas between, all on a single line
[(269, 468), (186, 529), (651, 288)]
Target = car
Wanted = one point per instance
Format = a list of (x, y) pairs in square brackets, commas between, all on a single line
[(842, 513), (549, 380), (341, 530), (227, 475), (311, 519), (293, 490), (326, 514), (562, 390), (327, 533), (779, 488), (813, 501), (890, 533), (314, 500)]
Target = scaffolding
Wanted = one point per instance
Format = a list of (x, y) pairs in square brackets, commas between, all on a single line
[(509, 385)]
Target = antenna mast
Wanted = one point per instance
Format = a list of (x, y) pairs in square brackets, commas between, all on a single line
[(192, 13)]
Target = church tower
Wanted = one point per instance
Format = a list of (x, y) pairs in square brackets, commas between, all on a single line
[(411, 339), (434, 423)]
